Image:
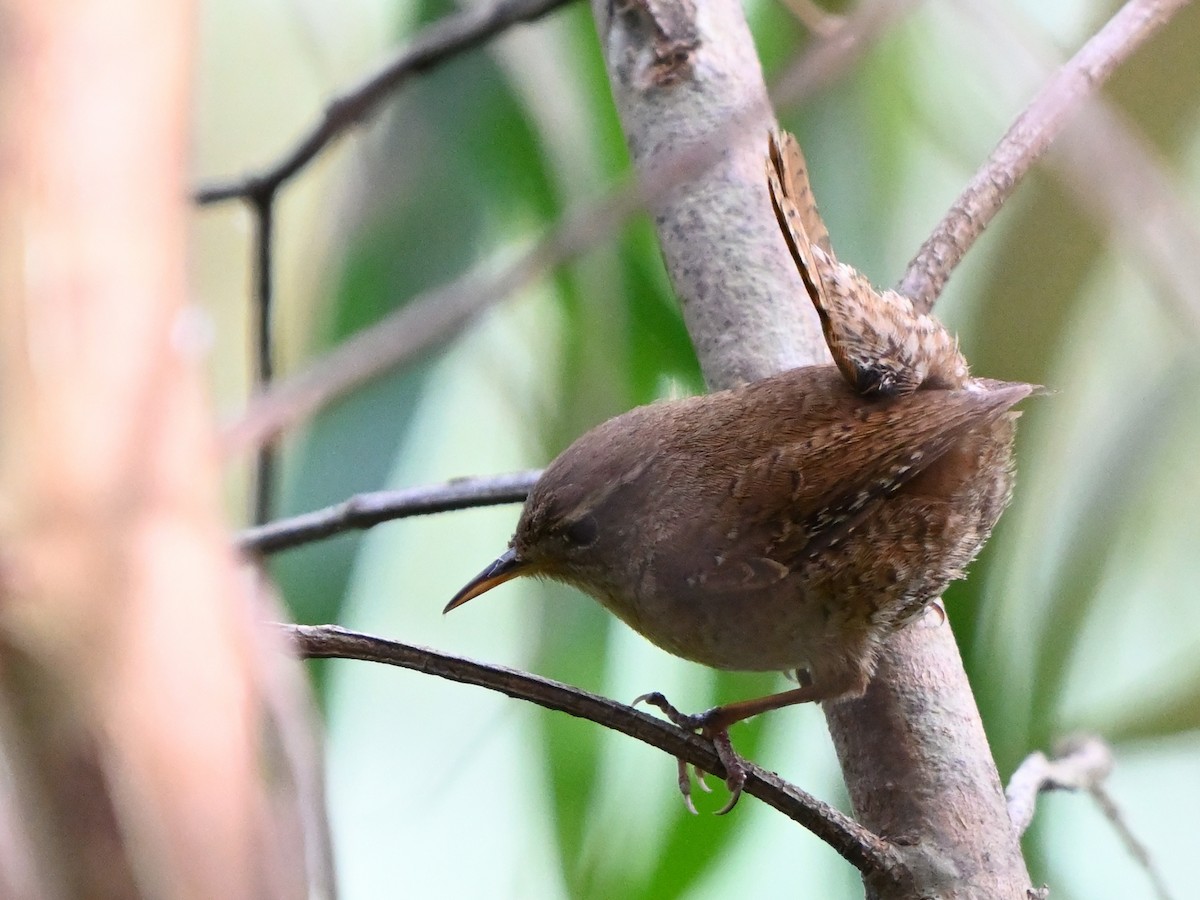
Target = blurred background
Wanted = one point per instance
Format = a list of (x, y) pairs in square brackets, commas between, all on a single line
[(1082, 614)]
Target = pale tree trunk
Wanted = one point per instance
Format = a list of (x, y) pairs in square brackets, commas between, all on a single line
[(131, 711), (913, 751)]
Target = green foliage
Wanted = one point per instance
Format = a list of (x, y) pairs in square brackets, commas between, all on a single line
[(422, 217), (477, 156)]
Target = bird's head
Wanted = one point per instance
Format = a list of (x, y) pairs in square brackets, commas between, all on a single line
[(574, 527)]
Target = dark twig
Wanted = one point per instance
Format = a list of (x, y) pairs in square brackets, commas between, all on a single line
[(1081, 763), (436, 44), (871, 855), (263, 204), (365, 510), (1025, 141)]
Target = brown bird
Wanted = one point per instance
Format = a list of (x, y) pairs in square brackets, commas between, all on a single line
[(792, 523)]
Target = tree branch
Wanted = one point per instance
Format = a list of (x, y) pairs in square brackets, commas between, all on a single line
[(433, 46), (913, 749), (366, 510), (865, 851), (1025, 141), (1110, 168)]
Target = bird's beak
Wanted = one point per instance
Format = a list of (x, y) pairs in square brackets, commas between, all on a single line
[(506, 567)]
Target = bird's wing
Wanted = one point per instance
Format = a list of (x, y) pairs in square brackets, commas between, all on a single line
[(802, 496)]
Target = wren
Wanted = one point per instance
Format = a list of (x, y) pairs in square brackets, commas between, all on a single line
[(792, 523)]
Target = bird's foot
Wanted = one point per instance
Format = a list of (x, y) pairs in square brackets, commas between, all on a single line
[(714, 725)]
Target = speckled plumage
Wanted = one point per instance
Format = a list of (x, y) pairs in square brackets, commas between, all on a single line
[(879, 342)]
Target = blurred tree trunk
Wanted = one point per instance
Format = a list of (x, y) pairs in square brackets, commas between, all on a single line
[(130, 713)]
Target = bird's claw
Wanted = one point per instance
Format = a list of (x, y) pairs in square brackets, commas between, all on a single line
[(735, 768), (707, 724), (685, 786)]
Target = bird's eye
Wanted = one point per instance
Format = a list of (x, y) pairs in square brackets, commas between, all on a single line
[(582, 532)]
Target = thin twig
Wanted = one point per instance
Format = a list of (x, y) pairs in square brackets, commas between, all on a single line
[(436, 44), (1135, 847), (865, 851), (263, 204), (434, 317), (838, 48), (1081, 763), (365, 510), (1025, 141)]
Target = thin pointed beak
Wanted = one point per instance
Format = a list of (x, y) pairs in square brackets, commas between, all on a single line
[(506, 567)]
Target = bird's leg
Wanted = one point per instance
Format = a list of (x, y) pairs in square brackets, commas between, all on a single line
[(714, 724), (735, 769)]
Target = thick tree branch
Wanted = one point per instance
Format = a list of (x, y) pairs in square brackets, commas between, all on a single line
[(366, 510), (1025, 141), (875, 858), (913, 750), (433, 46)]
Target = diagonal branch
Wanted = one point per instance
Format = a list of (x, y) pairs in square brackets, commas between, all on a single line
[(366, 510), (433, 46), (1111, 169), (874, 857), (1026, 140)]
